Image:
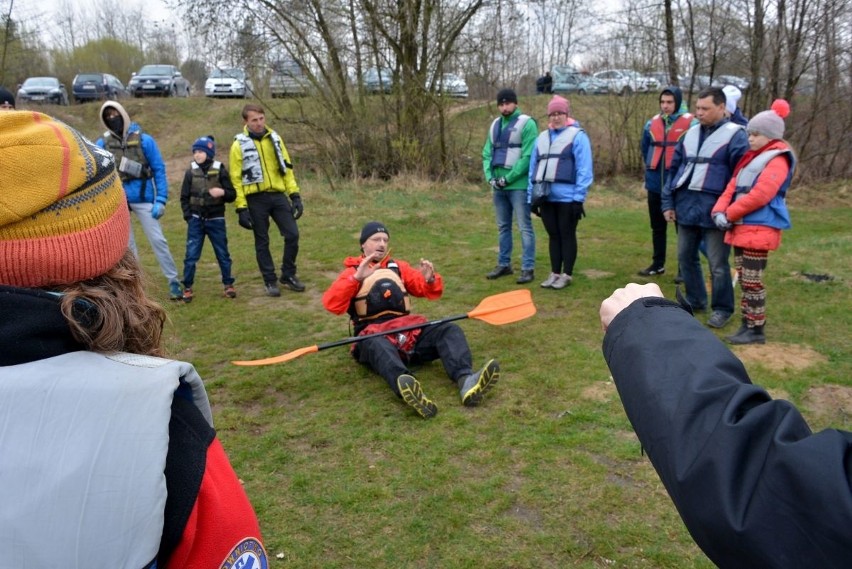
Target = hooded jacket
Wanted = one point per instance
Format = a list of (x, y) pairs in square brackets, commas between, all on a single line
[(137, 190), (656, 178)]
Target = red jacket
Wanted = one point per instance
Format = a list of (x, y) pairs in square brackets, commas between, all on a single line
[(341, 292), (760, 237)]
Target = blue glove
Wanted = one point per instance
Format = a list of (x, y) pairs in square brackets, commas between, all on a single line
[(158, 210), (721, 221)]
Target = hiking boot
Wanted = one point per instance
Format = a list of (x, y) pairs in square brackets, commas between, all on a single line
[(292, 283), (561, 281), (413, 396), (476, 385), (272, 289), (230, 291), (187, 294), (499, 271), (678, 279), (748, 336), (548, 282), (652, 270), (526, 276), (718, 319), (174, 291)]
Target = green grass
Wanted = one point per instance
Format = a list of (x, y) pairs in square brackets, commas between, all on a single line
[(547, 471)]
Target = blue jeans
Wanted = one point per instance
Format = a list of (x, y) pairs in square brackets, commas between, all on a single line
[(688, 241), (507, 202), (196, 229)]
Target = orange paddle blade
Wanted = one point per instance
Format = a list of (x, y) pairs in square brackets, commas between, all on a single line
[(505, 308), (279, 359)]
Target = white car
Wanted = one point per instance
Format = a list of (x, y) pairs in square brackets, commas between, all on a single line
[(626, 81), (228, 82), (451, 85)]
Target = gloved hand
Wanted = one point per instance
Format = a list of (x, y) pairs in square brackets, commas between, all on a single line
[(298, 208), (721, 221), (158, 210), (501, 182), (535, 210), (244, 218), (493, 183)]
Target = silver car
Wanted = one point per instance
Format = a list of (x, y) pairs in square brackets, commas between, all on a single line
[(42, 90)]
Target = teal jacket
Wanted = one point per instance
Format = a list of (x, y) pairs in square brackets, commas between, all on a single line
[(516, 176)]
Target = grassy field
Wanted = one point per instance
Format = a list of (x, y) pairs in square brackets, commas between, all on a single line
[(547, 473)]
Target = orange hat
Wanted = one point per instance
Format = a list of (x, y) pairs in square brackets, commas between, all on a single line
[(63, 214)]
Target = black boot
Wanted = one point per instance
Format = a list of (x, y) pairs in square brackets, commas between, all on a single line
[(750, 336), (743, 329)]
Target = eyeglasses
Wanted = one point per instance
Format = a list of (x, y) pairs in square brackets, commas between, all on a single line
[(553, 115)]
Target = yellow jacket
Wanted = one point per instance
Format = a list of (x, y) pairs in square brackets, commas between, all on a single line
[(273, 180)]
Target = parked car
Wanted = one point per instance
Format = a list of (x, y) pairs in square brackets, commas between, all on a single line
[(579, 84), (739, 82), (377, 80), (228, 82), (626, 81), (97, 87), (288, 80), (159, 79), (42, 90), (697, 82), (451, 85)]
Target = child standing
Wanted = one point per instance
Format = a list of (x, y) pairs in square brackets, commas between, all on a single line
[(753, 211), (206, 189)]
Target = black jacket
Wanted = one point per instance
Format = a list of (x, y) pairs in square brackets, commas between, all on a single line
[(754, 486), (211, 211)]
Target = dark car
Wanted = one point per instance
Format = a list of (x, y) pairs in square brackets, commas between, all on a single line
[(163, 80), (97, 87), (42, 90)]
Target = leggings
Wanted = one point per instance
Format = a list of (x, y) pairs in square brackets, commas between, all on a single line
[(750, 265), (560, 220)]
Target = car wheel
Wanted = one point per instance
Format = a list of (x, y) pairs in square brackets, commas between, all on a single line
[(581, 91)]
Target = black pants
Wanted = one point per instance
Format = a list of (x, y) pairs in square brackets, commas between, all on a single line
[(446, 342), (658, 229), (262, 206), (560, 220)]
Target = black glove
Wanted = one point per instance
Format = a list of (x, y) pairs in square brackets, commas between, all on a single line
[(245, 218), (493, 183), (536, 210), (298, 208)]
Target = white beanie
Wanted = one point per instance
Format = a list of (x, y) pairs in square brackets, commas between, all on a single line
[(732, 97)]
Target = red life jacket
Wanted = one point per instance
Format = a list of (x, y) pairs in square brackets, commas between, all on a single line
[(661, 140)]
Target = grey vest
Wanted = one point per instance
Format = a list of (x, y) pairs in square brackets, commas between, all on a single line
[(83, 444), (698, 160)]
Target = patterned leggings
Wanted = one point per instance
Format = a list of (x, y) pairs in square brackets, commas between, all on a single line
[(750, 265)]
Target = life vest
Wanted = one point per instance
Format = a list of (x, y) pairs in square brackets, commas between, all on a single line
[(199, 196), (664, 141), (775, 213), (556, 157), (707, 165), (132, 150), (252, 167), (381, 294), (506, 143)]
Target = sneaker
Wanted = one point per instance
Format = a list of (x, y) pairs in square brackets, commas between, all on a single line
[(561, 281), (499, 271), (413, 396), (230, 291), (174, 291), (272, 289), (476, 385), (652, 270), (292, 283), (526, 276), (548, 282), (187, 294), (718, 319)]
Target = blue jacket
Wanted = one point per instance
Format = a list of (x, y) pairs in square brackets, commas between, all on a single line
[(562, 192), (694, 207), (156, 187)]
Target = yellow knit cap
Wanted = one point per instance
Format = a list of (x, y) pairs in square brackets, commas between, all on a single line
[(63, 214)]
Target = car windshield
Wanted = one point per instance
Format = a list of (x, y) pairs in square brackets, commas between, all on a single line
[(83, 77), (41, 82), (156, 70), (231, 73)]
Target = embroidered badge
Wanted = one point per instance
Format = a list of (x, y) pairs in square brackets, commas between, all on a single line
[(247, 554)]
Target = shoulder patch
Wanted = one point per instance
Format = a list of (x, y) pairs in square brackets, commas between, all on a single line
[(247, 554)]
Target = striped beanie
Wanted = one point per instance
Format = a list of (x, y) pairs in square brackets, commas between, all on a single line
[(63, 214)]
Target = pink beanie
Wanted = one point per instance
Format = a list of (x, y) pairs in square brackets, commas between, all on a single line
[(558, 105)]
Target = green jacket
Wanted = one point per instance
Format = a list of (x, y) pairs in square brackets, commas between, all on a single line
[(517, 177)]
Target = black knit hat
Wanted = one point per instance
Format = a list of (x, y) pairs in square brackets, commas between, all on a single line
[(507, 96), (6, 97), (371, 228)]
